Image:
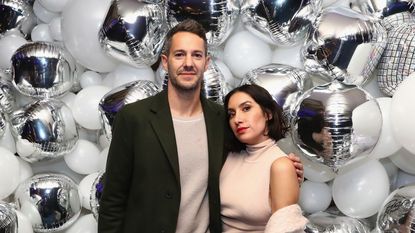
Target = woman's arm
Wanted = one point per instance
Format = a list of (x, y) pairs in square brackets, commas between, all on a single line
[(284, 187)]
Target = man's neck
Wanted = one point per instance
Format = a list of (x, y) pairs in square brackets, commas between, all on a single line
[(184, 104)]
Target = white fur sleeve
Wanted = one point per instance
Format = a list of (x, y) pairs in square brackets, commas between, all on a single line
[(287, 220)]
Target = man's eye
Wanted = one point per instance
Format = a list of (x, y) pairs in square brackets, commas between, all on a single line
[(198, 55), (179, 55)]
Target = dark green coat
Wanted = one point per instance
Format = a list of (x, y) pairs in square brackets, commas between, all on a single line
[(142, 182)]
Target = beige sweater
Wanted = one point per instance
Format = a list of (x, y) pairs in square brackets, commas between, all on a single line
[(244, 190)]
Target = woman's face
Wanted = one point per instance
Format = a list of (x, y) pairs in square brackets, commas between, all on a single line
[(247, 119)]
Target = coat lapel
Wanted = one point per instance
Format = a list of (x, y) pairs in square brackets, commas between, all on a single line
[(162, 124)]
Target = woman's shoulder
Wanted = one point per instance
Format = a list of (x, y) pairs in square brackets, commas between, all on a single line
[(282, 165)]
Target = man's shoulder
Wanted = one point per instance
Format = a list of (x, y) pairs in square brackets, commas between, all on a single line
[(140, 105)]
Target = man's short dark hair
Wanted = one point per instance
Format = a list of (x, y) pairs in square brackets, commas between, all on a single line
[(187, 25)]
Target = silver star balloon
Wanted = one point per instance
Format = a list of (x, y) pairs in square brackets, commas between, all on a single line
[(114, 100), (42, 70), (328, 126), (398, 211), (281, 22), (398, 59), (16, 16), (218, 17), (393, 13), (44, 130), (344, 45), (8, 218), (133, 32), (51, 200), (285, 83), (3, 124), (7, 99)]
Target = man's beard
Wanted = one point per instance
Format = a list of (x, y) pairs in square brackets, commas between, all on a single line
[(184, 88)]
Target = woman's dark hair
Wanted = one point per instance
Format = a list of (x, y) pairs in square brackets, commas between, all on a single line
[(277, 127), (187, 25)]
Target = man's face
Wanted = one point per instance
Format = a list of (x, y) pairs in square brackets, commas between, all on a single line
[(186, 61)]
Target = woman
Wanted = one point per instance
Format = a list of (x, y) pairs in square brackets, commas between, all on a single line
[(258, 183)]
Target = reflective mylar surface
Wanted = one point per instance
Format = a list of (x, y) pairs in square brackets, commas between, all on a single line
[(323, 222), (281, 22), (345, 45), (398, 211), (3, 124), (114, 100), (327, 123), (96, 193), (44, 130), (218, 17), (133, 32), (285, 83), (398, 59), (42, 70), (51, 200), (16, 15), (7, 99), (8, 218)]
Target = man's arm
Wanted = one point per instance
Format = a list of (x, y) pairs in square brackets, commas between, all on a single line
[(299, 168), (117, 179)]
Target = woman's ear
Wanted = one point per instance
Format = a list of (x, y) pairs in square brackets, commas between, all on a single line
[(268, 115)]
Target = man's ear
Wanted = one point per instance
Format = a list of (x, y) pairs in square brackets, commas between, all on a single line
[(208, 60), (164, 62)]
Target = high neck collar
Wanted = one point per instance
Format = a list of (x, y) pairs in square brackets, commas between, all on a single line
[(255, 151)]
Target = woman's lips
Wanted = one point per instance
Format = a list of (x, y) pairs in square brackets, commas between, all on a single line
[(241, 129)]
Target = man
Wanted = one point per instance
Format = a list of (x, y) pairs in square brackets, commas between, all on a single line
[(166, 152)]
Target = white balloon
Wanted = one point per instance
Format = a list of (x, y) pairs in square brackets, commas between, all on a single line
[(372, 86), (41, 33), (402, 113), (68, 99), (360, 187), (90, 78), (43, 14), (85, 107), (25, 170), (84, 159), (227, 74), (314, 196), (244, 52), (9, 173), (104, 156), (288, 56), (24, 224), (391, 169), (386, 144), (81, 22), (85, 224), (54, 5), (124, 74), (55, 28), (8, 45), (84, 189), (405, 160)]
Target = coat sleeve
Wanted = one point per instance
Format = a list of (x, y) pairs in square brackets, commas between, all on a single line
[(117, 178), (287, 220)]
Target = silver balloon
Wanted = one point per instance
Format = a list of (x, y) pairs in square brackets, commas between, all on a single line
[(345, 45), (42, 70), (281, 22), (398, 211), (51, 200), (393, 13), (3, 124), (398, 59), (214, 86), (16, 16), (133, 32), (7, 99), (322, 222), (114, 100), (8, 218), (218, 17), (44, 130), (285, 83), (329, 125), (96, 193)]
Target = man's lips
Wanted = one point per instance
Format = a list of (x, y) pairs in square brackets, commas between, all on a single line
[(241, 129)]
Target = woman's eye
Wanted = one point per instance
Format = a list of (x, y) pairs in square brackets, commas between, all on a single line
[(246, 108), (231, 114)]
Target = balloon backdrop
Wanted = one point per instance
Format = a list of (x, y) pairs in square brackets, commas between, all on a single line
[(16, 15)]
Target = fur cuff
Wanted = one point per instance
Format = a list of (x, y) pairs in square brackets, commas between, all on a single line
[(287, 220)]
